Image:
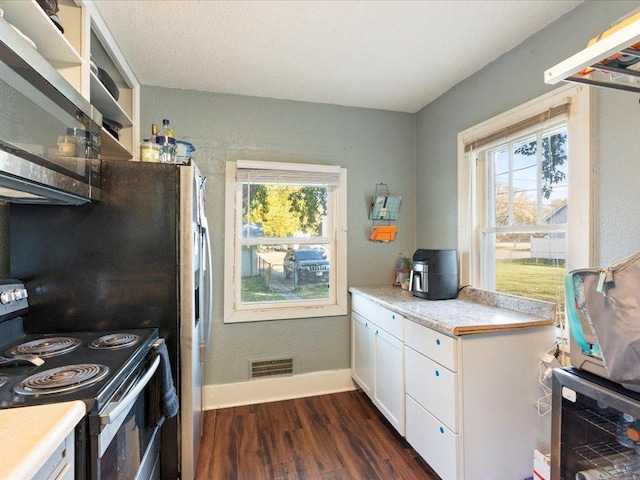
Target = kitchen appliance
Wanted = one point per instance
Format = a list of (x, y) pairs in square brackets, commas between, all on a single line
[(594, 428), (38, 107), (139, 258), (589, 361), (115, 373), (434, 275)]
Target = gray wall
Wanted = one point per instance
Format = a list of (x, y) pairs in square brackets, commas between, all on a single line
[(374, 145), (514, 79), (617, 176)]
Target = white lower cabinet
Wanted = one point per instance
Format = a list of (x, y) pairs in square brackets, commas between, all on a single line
[(469, 400), (60, 465), (362, 352), (377, 358), (433, 440), (388, 392)]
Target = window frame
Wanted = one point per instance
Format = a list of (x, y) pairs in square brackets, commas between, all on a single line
[(486, 210), (580, 224), (234, 310)]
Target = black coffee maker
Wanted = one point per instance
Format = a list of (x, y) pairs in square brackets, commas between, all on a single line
[(435, 274)]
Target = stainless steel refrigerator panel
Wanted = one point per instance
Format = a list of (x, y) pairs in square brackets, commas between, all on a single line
[(195, 310)]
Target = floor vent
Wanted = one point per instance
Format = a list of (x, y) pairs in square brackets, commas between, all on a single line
[(265, 368)]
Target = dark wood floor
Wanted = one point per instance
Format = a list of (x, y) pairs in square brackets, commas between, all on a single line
[(329, 437)]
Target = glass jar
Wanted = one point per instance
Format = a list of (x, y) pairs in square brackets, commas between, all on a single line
[(149, 152), (67, 146), (87, 145)]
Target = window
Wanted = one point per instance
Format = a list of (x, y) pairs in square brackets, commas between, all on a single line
[(524, 197), (286, 254)]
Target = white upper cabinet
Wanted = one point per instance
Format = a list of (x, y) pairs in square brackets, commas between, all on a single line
[(85, 37)]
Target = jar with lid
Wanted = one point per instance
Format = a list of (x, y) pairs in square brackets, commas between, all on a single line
[(87, 144), (149, 152), (68, 146)]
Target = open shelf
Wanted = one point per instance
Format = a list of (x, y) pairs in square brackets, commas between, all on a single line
[(112, 148), (32, 21), (106, 104)]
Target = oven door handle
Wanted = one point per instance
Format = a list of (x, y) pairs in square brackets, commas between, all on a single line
[(116, 409)]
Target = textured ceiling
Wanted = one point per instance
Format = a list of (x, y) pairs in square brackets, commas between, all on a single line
[(391, 55)]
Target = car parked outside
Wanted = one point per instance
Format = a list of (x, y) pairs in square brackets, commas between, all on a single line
[(306, 266)]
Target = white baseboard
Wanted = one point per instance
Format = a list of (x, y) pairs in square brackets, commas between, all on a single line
[(274, 389)]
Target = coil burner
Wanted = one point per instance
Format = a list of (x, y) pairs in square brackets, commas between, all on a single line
[(115, 341), (62, 379), (46, 347), (3, 381)]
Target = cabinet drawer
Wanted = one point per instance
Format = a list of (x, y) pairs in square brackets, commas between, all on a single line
[(386, 319), (435, 345), (435, 443), (433, 386)]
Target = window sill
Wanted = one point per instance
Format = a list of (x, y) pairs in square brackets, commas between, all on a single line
[(271, 313)]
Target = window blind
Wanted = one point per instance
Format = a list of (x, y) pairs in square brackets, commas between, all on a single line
[(518, 127), (280, 173)]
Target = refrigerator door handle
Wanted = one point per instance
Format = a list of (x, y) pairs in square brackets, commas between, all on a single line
[(202, 219), (208, 277)]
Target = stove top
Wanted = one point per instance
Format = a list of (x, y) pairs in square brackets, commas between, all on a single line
[(87, 366)]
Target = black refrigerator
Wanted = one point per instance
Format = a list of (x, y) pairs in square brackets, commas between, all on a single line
[(139, 257)]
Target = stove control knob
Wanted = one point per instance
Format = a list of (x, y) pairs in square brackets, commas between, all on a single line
[(14, 295), (7, 296), (20, 293)]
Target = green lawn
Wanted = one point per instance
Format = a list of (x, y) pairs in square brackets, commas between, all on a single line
[(255, 290), (528, 279)]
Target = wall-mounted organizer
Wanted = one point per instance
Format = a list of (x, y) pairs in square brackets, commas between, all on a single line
[(384, 209)]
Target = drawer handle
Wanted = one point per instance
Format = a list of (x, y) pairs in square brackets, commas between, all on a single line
[(366, 324), (437, 373), (393, 317), (376, 332), (441, 430), (437, 341)]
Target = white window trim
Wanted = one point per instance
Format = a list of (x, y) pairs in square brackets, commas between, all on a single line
[(580, 231), (337, 303)]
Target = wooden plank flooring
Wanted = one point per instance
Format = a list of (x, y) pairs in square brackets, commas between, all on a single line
[(329, 437)]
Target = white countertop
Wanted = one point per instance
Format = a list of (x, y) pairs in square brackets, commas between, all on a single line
[(474, 311), (31, 434)]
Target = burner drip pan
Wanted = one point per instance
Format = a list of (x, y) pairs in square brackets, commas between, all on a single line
[(114, 341), (62, 379), (46, 347)]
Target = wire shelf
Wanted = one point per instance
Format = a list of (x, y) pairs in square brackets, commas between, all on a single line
[(607, 459), (611, 460), (605, 420)]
